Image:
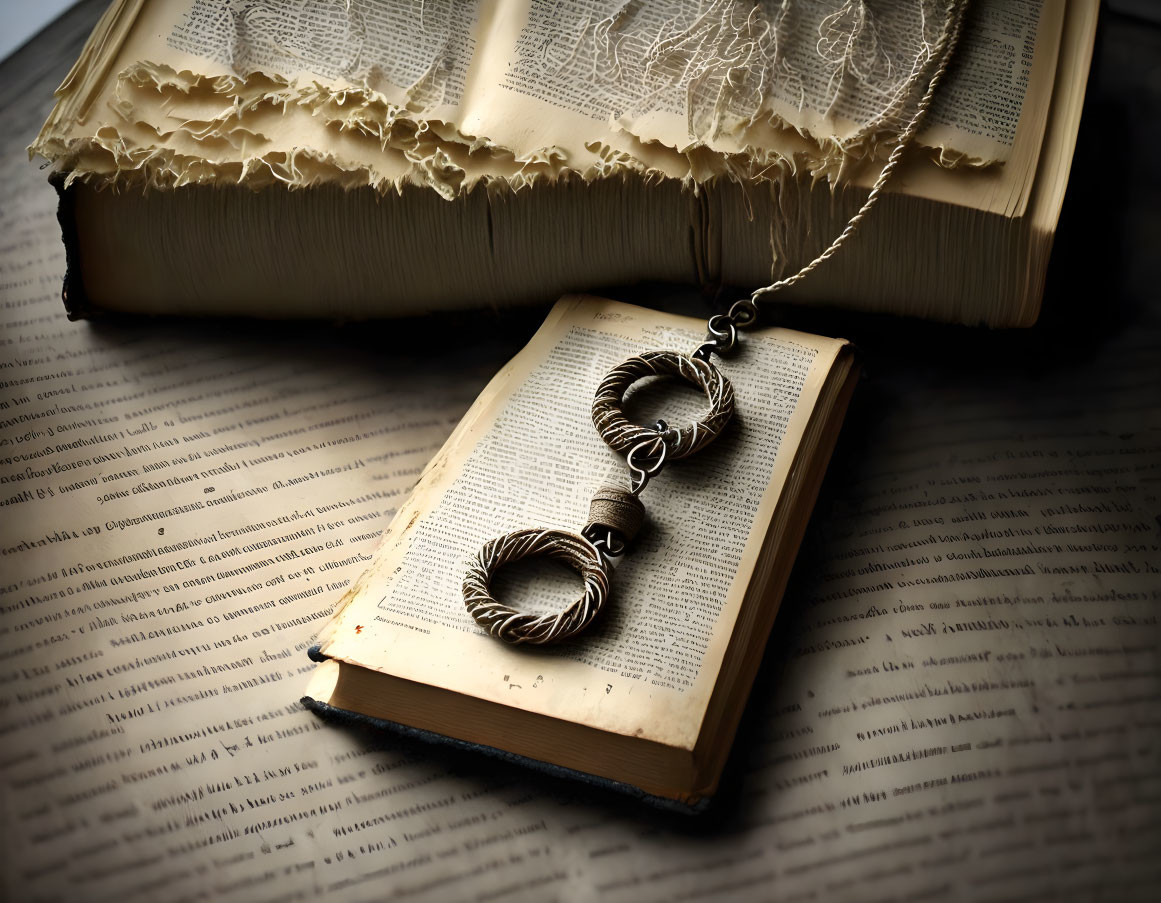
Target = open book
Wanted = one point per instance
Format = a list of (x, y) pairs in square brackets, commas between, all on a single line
[(470, 154), (652, 694)]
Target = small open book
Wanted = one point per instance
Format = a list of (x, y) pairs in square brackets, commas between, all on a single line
[(650, 696)]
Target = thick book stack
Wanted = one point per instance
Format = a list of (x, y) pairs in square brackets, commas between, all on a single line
[(361, 160)]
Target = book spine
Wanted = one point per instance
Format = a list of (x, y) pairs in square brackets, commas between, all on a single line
[(76, 300), (341, 716)]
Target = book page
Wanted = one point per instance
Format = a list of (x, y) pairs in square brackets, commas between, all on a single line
[(411, 53), (298, 94), (1005, 57), (688, 74), (410, 77), (447, 94), (527, 455)]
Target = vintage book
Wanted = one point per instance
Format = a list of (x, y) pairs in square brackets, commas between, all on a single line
[(367, 160), (651, 695)]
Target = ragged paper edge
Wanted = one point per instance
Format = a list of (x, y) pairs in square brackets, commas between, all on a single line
[(152, 149), (141, 146), (147, 143), (178, 128)]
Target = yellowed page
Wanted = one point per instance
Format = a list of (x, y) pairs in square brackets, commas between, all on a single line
[(384, 94), (1022, 41), (523, 99), (1026, 71), (204, 93), (999, 83), (689, 75), (527, 455), (409, 53)]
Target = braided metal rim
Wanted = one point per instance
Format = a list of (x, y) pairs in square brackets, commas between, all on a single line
[(622, 435), (512, 626)]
